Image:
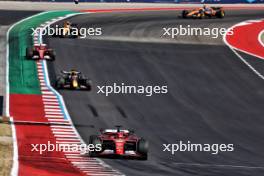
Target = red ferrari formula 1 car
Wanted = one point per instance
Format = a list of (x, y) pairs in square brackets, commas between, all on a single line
[(40, 51), (209, 12), (119, 143)]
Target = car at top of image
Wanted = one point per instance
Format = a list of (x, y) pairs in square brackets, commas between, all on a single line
[(73, 80), (40, 51), (119, 143), (204, 12), (67, 30)]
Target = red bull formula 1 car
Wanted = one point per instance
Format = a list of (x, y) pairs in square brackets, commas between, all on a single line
[(119, 143), (204, 12), (73, 80), (40, 51)]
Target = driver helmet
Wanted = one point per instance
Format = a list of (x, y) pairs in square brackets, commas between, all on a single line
[(67, 23), (206, 7), (42, 46)]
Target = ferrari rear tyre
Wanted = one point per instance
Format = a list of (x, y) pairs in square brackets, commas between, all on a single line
[(142, 147), (29, 53), (184, 13), (95, 140), (52, 55), (144, 157)]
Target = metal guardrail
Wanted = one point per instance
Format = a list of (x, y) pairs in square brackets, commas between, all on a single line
[(158, 1)]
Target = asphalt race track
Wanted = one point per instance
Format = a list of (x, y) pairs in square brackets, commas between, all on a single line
[(8, 17), (213, 97)]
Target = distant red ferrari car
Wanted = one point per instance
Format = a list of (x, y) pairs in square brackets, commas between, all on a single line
[(122, 143), (40, 51)]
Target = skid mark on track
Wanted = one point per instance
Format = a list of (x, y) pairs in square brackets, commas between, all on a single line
[(93, 110), (121, 111)]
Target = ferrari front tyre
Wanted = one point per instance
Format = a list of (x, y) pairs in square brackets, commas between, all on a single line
[(29, 53), (142, 147), (95, 140), (52, 55)]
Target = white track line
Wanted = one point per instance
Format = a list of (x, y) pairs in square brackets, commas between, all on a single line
[(50, 106), (67, 139), (45, 100), (238, 49), (54, 116), (238, 55), (60, 127), (49, 96)]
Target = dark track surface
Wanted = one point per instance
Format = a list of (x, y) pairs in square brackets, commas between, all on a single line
[(8, 17), (213, 97)]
